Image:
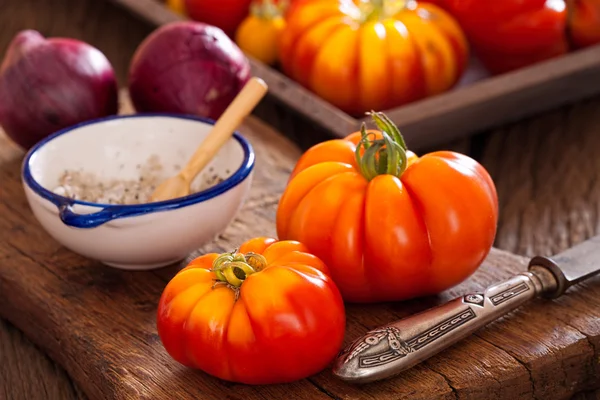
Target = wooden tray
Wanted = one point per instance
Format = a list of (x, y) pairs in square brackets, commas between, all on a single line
[(99, 322), (478, 103)]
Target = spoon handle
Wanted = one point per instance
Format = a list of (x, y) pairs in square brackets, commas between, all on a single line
[(232, 117)]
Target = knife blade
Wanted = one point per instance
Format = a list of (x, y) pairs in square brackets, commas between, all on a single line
[(390, 349)]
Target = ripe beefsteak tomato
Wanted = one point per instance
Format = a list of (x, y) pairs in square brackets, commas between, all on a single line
[(376, 54), (584, 22), (388, 224), (266, 314), (224, 14), (511, 34)]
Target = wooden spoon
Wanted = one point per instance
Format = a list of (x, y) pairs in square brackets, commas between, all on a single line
[(232, 117)]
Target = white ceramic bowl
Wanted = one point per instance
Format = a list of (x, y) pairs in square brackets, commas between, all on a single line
[(144, 236)]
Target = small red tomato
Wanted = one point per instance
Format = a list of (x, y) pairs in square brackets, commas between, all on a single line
[(266, 314), (584, 22), (511, 34)]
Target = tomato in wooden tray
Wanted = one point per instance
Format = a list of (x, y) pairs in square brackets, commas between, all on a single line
[(511, 34), (258, 34), (377, 54), (267, 313), (584, 22), (388, 224), (224, 14)]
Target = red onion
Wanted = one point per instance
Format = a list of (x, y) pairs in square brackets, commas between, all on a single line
[(50, 84), (187, 67)]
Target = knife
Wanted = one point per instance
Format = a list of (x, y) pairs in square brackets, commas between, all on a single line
[(390, 349)]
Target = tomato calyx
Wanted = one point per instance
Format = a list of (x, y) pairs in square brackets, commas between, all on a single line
[(232, 269), (381, 9), (387, 155)]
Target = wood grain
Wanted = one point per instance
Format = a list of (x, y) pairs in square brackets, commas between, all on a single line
[(591, 395), (547, 175), (99, 323), (544, 209), (20, 359)]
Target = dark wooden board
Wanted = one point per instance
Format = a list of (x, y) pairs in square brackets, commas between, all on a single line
[(99, 322), (478, 103)]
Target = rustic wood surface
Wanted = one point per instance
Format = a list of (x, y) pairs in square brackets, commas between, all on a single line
[(546, 172), (99, 323)]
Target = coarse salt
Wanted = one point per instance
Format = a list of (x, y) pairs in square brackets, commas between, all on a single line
[(86, 186)]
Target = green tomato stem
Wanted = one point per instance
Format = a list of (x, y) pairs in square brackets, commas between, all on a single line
[(378, 4), (381, 9), (381, 156)]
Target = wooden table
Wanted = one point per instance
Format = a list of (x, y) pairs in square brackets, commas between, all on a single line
[(546, 171)]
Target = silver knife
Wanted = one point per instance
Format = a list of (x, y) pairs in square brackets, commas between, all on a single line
[(390, 349)]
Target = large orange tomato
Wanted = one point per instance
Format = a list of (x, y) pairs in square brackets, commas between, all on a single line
[(584, 22), (388, 224), (377, 54), (266, 314)]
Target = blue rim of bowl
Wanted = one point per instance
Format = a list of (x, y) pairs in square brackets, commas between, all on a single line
[(112, 211)]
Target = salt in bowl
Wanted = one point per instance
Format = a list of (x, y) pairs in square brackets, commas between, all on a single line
[(138, 236)]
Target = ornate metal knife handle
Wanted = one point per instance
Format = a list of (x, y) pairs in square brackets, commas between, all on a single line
[(390, 349)]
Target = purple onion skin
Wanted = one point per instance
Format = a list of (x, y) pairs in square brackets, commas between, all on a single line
[(50, 84), (187, 67)]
